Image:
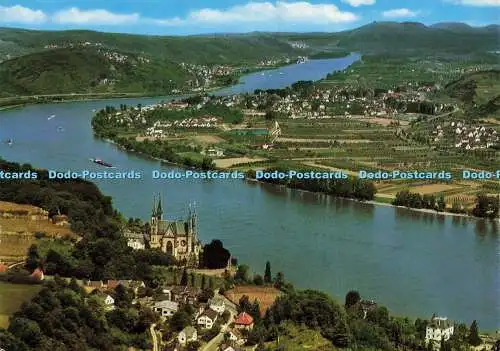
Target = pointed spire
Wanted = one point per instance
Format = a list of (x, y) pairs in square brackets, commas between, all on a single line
[(154, 207), (159, 210)]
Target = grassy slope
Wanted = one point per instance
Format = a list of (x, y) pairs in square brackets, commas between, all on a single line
[(301, 338), (11, 298)]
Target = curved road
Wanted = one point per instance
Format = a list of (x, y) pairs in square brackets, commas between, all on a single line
[(154, 337)]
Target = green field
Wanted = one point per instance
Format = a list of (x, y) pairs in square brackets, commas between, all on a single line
[(300, 338), (11, 298)]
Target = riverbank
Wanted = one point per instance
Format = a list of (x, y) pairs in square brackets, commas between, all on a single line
[(253, 180), (373, 202), (57, 99)]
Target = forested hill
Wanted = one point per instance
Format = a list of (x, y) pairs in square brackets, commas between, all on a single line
[(85, 70), (77, 61), (418, 38), (220, 49)]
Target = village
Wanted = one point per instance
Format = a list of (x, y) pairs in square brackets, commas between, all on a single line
[(214, 322), (466, 136)]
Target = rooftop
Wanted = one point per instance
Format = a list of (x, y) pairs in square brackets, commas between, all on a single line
[(244, 319)]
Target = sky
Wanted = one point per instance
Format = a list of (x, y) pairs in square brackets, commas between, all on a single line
[(181, 17)]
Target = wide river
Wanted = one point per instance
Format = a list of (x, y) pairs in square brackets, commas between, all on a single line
[(416, 264)]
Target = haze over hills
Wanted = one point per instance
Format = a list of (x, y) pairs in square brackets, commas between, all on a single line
[(32, 59)]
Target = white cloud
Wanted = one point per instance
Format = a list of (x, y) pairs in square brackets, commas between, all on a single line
[(477, 3), (357, 3), (20, 14), (399, 13), (100, 17), (267, 12)]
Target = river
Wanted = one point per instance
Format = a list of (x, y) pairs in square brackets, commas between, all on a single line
[(414, 263)]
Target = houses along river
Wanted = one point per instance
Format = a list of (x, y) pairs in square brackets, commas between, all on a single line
[(414, 263)]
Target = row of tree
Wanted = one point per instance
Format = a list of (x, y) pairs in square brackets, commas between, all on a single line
[(351, 187), (416, 200)]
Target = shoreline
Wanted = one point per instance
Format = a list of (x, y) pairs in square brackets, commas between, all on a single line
[(376, 203), (130, 95), (253, 180)]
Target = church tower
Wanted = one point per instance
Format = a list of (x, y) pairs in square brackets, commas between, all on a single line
[(154, 223), (159, 209)]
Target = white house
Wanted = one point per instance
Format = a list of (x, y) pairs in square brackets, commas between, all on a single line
[(166, 308), (208, 318), (109, 302), (235, 336), (439, 328), (217, 304), (187, 335)]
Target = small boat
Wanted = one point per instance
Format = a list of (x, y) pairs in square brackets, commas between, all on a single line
[(101, 162), (9, 142), (94, 110), (60, 129), (50, 117), (281, 73)]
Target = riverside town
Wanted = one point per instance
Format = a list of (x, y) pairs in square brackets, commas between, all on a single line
[(249, 175)]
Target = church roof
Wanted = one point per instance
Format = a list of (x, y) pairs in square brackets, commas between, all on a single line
[(178, 227)]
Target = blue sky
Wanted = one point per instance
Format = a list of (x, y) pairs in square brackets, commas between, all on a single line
[(203, 16)]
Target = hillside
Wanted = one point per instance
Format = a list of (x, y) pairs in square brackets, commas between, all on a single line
[(85, 70), (192, 49), (416, 37), (480, 89), (79, 61)]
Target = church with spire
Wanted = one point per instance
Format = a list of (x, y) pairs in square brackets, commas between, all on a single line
[(178, 238)]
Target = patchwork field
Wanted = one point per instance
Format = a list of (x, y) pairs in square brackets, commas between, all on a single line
[(264, 295), (11, 298)]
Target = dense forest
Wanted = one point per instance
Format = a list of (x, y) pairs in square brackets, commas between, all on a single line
[(64, 317)]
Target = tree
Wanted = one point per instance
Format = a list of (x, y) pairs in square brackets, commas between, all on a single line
[(441, 204), (184, 278), (205, 295), (203, 282), (474, 338), (192, 279), (242, 273), (179, 321), (279, 281), (123, 296), (33, 260), (352, 298), (215, 256), (258, 280), (211, 284), (268, 278), (486, 206)]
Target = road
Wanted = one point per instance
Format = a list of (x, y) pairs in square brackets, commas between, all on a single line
[(16, 264), (213, 344), (154, 337)]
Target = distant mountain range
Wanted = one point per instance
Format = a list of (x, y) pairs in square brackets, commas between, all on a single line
[(36, 62)]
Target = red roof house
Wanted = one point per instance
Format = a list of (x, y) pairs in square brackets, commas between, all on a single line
[(37, 274), (243, 321), (3, 268)]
